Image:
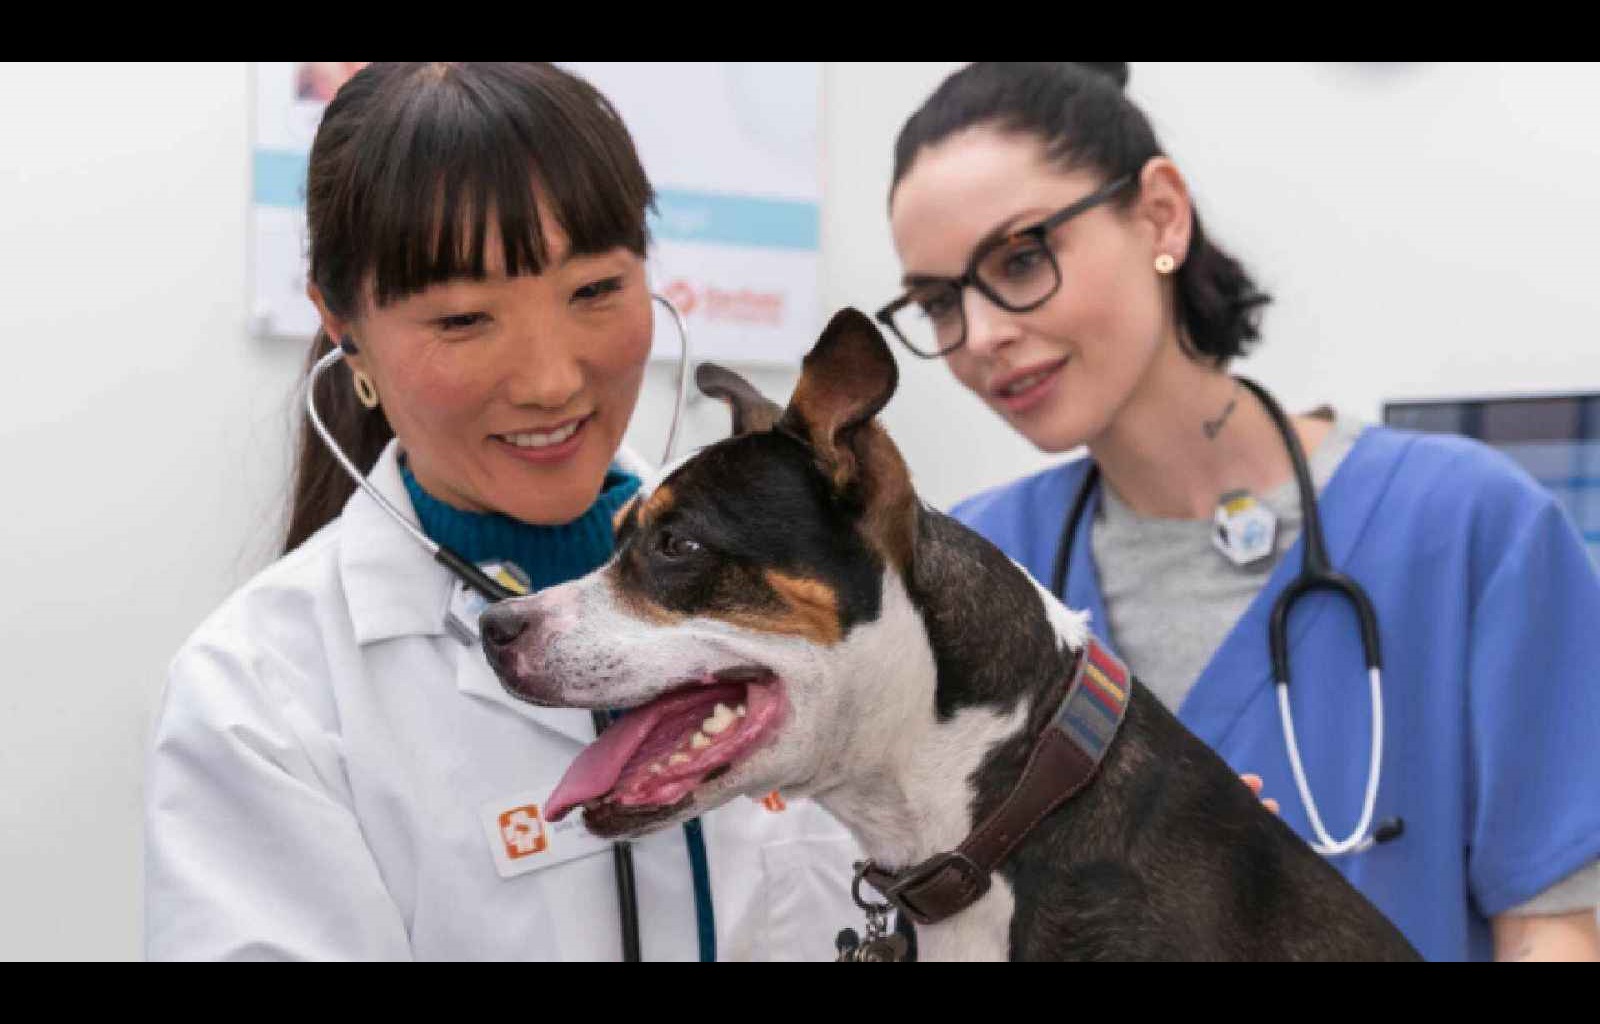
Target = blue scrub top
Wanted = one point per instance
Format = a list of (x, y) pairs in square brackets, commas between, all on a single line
[(1489, 613)]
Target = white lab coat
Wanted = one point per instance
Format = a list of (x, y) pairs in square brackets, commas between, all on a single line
[(326, 757)]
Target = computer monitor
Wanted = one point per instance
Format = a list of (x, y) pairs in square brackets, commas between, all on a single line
[(1556, 438)]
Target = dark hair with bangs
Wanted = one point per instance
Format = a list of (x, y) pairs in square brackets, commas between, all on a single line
[(411, 165), (1081, 114)]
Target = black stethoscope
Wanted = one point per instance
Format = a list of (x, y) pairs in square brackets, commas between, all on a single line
[(1316, 573), (492, 590)]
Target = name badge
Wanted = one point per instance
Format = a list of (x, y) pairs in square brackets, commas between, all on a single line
[(1244, 529), (521, 840)]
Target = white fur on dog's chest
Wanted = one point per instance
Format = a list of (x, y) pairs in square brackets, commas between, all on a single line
[(909, 796), (981, 932)]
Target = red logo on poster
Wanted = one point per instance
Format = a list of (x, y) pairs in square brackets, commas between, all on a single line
[(680, 294)]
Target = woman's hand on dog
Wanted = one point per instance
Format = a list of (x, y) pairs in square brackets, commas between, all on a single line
[(1255, 784)]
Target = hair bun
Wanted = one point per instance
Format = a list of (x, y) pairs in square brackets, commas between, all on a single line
[(1117, 71)]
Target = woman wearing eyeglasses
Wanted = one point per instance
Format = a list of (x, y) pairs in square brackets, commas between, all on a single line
[(1054, 259)]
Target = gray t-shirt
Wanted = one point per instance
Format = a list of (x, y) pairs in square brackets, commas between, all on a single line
[(1171, 598)]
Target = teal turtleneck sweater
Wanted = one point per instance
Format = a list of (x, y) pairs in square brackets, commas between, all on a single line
[(548, 554)]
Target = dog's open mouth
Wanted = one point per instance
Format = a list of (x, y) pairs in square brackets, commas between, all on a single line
[(646, 766)]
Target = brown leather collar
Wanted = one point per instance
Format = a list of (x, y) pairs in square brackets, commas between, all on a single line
[(1064, 759)]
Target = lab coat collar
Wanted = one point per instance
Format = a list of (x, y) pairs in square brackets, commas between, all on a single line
[(394, 588), (392, 584)]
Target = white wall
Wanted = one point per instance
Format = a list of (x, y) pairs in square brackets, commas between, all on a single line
[(1427, 229), (141, 445)]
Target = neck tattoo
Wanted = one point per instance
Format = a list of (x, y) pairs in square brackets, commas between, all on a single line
[(1214, 427)]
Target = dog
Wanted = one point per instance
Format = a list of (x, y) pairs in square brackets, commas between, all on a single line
[(783, 613)]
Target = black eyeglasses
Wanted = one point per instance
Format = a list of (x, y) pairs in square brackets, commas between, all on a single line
[(1017, 272)]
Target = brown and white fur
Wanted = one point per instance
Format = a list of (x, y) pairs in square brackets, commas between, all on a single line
[(896, 667)]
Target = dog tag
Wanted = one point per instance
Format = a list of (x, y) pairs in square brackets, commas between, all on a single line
[(889, 949), (881, 947)]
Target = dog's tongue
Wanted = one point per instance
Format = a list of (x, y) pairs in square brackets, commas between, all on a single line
[(597, 769), (600, 764)]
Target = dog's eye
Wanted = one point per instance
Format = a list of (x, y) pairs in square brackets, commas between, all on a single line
[(672, 545)]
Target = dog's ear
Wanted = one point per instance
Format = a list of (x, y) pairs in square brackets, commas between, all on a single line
[(752, 411), (846, 379)]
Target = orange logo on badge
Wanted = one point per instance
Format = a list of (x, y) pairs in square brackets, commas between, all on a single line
[(522, 830)]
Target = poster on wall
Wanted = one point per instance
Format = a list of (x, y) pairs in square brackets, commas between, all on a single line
[(289, 98), (731, 147)]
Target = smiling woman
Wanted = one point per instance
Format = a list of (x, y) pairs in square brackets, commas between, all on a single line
[(504, 331), (337, 773)]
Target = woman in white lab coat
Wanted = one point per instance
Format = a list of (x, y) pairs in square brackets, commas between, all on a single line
[(336, 772)]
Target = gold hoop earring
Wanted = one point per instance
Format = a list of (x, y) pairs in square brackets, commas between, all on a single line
[(366, 392)]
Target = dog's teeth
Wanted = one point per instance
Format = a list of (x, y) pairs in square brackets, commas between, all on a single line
[(657, 768), (699, 741), (721, 717), (677, 759), (739, 711)]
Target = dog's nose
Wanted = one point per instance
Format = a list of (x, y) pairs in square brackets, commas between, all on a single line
[(500, 626)]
